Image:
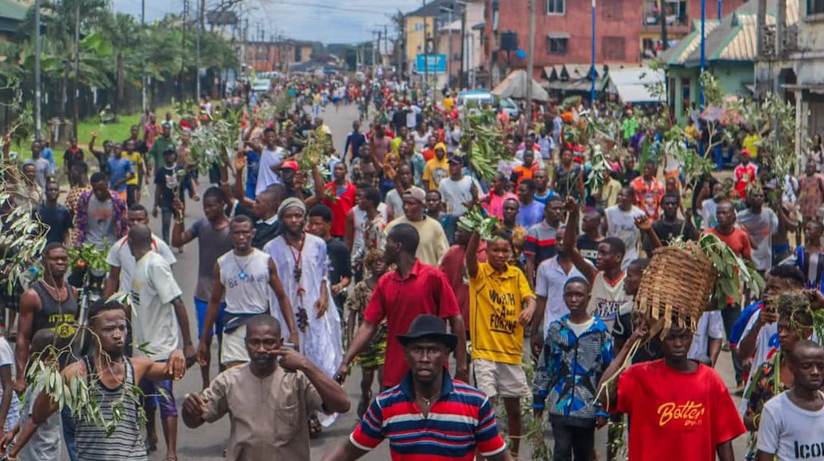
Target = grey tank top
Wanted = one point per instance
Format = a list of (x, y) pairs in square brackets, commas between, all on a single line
[(126, 443)]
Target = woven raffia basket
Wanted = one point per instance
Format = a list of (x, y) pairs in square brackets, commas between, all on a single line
[(675, 288)]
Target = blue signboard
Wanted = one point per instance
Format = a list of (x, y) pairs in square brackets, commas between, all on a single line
[(436, 63)]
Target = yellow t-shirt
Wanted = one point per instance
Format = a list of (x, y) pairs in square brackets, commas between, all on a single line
[(447, 103), (435, 171), (692, 132), (495, 301), (137, 165), (751, 144)]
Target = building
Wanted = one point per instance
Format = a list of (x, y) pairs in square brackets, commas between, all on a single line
[(449, 43), (420, 28), (12, 16), (730, 54), (276, 55), (791, 60), (627, 31)]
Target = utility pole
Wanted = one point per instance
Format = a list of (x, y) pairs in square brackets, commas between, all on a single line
[(592, 70), (425, 58), (181, 75), (201, 5), (703, 50), (663, 19), (37, 114), (386, 43), (462, 72), (530, 60), (143, 54), (76, 115)]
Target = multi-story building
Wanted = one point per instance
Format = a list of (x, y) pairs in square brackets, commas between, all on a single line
[(276, 55), (627, 31)]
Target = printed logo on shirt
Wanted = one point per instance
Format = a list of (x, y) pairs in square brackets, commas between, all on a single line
[(808, 450), (503, 319), (607, 309), (691, 413)]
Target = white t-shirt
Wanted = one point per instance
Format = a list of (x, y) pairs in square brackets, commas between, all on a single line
[(120, 255), (621, 224), (790, 432), (710, 326), (549, 284), (608, 298), (456, 193), (579, 328), (7, 360), (153, 316), (420, 140), (247, 293), (761, 228), (267, 177)]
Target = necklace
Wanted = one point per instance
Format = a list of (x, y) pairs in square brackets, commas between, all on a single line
[(55, 291), (297, 272), (242, 274)]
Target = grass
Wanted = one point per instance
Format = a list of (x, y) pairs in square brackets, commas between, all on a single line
[(114, 132)]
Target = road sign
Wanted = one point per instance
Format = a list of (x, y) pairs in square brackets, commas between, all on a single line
[(436, 63)]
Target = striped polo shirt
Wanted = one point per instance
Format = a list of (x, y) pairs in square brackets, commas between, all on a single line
[(460, 421), (541, 242)]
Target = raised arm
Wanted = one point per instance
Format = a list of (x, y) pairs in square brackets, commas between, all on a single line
[(472, 255), (570, 237), (179, 237)]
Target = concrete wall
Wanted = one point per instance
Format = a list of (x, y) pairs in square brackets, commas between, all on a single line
[(731, 77), (414, 29)]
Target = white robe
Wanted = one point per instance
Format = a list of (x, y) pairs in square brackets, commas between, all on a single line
[(321, 342)]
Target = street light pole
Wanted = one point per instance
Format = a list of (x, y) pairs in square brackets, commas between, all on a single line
[(530, 61), (719, 9), (425, 58), (703, 48), (37, 115), (592, 70), (143, 54)]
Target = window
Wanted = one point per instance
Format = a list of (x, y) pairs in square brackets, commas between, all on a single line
[(815, 6), (613, 48), (555, 6), (556, 45), (613, 10), (419, 26)]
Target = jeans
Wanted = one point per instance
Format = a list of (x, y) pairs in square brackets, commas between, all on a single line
[(572, 440), (68, 432), (730, 315), (166, 224)]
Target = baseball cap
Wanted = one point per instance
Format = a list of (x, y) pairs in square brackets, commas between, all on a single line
[(415, 193), (291, 165)]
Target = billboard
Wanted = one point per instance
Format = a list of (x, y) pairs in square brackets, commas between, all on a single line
[(436, 63)]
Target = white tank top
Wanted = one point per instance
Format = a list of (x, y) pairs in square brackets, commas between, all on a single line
[(622, 225), (360, 217), (607, 298), (245, 280)]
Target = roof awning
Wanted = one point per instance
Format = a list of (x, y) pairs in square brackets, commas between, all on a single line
[(558, 35)]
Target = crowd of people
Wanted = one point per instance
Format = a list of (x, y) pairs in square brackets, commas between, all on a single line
[(305, 273)]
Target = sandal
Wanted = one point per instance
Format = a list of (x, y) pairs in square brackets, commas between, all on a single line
[(315, 427)]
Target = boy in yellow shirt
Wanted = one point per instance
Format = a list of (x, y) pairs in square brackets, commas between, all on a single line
[(500, 304), (139, 168)]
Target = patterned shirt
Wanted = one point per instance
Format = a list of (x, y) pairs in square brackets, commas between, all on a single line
[(460, 421), (119, 216)]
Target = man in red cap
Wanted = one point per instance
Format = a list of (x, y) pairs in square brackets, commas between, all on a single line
[(293, 182)]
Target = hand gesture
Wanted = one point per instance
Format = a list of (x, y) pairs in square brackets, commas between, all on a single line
[(240, 160), (767, 316), (571, 204), (94, 134), (196, 404), (176, 365), (178, 206), (204, 353), (321, 306), (290, 359), (643, 223)]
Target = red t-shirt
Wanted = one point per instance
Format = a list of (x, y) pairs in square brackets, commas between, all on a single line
[(425, 290), (738, 240), (340, 207), (453, 265), (676, 416), (744, 175)]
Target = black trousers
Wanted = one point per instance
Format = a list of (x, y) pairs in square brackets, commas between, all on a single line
[(572, 440)]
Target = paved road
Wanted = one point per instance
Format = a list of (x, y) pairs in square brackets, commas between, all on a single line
[(208, 442)]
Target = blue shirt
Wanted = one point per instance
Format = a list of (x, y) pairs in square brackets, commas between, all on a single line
[(531, 214), (118, 169), (47, 154), (543, 199), (252, 167)]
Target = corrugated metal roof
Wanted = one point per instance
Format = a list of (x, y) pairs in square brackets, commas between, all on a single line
[(678, 54), (13, 10), (741, 45), (633, 84)]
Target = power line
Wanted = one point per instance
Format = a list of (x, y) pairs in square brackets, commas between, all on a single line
[(326, 7)]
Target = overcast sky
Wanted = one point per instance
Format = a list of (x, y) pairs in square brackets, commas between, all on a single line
[(329, 21)]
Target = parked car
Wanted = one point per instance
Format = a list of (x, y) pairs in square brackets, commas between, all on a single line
[(470, 102)]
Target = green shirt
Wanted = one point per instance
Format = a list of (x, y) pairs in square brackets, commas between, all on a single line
[(160, 145)]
